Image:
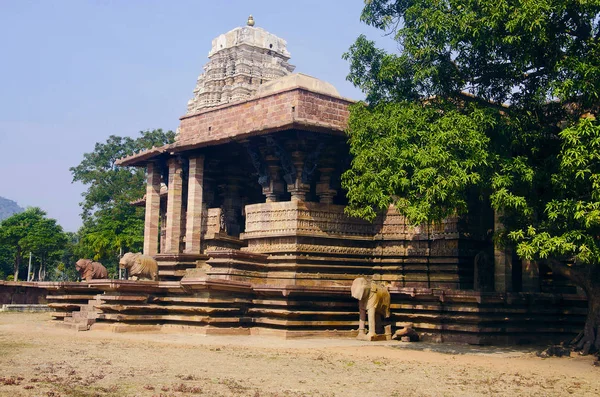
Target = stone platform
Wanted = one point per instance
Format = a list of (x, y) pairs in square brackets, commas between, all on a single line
[(230, 307)]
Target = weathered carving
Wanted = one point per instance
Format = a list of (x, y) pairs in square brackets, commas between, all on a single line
[(311, 162), (140, 267), (289, 170), (258, 163), (222, 221), (89, 269), (240, 60), (275, 218), (373, 300)]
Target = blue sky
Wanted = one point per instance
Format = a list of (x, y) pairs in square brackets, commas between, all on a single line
[(74, 72)]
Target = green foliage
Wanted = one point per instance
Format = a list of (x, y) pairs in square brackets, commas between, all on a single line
[(6, 260), (491, 95), (570, 224), (110, 222), (523, 52), (65, 269), (31, 231), (415, 156)]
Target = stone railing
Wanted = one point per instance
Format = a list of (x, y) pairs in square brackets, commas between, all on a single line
[(210, 222), (293, 218)]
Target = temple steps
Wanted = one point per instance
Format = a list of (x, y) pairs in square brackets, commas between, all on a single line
[(230, 307), (137, 318), (168, 309), (174, 266), (198, 300)]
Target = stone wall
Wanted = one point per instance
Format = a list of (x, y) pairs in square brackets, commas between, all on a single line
[(27, 293), (317, 244), (278, 111)]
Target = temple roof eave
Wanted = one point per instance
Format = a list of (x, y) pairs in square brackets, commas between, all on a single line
[(140, 159), (293, 83), (143, 158)]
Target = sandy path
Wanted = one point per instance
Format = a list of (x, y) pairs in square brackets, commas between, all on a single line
[(37, 359)]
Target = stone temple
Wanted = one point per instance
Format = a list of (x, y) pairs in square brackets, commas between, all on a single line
[(244, 213)]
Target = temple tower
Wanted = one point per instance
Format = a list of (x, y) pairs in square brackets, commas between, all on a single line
[(240, 60)]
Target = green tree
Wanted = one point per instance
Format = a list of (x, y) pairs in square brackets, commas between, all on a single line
[(6, 260), (65, 268), (110, 223), (498, 97), (31, 231)]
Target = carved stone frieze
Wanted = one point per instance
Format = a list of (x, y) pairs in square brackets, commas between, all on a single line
[(210, 221), (294, 217)]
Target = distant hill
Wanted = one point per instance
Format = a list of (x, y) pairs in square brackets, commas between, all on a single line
[(8, 208)]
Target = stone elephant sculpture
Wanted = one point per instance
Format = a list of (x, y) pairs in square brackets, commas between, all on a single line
[(374, 303), (90, 270), (140, 267)]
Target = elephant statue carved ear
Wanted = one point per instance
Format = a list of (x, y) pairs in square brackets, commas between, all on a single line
[(360, 288)]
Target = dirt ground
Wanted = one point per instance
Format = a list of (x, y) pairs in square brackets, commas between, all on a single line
[(38, 359)]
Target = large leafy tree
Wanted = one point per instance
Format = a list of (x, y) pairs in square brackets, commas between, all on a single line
[(6, 260), (500, 97), (31, 231), (110, 223)]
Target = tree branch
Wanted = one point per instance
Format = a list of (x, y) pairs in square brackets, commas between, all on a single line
[(578, 276)]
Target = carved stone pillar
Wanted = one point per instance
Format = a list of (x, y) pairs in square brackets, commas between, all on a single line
[(298, 189), (503, 281), (232, 205), (152, 216), (324, 190), (194, 204), (530, 276), (174, 207), (275, 187)]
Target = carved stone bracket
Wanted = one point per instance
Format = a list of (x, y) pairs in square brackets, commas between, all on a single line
[(311, 162), (185, 166), (258, 162), (289, 170), (164, 170)]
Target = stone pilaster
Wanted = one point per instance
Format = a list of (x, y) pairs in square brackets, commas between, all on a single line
[(324, 190), (503, 281), (152, 216), (194, 205), (174, 207), (275, 188), (298, 189), (232, 205)]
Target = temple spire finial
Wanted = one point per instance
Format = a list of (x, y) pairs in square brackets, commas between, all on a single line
[(250, 21)]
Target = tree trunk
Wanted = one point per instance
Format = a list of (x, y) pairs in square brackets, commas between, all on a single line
[(17, 264), (590, 340), (42, 272), (588, 278)]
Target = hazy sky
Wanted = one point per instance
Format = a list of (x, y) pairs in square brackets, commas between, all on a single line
[(74, 72)]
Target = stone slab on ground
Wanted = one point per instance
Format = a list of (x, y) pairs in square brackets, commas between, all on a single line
[(25, 308)]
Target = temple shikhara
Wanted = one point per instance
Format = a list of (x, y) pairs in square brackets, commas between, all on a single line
[(244, 214)]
